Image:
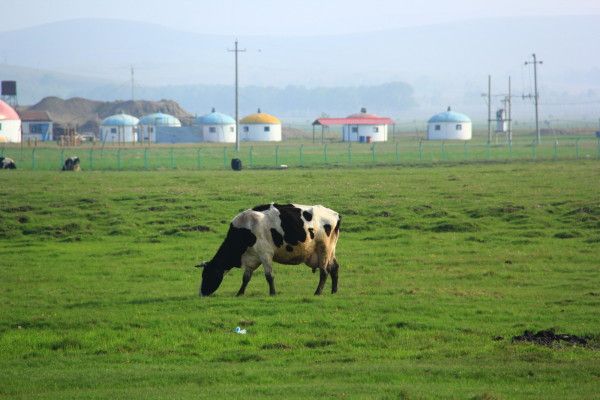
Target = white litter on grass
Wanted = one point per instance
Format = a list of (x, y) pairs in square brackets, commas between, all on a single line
[(239, 330)]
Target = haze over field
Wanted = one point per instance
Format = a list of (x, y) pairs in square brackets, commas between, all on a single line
[(438, 55)]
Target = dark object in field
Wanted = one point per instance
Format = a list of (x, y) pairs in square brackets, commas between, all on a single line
[(72, 164), (548, 337), (285, 233), (236, 164), (7, 163)]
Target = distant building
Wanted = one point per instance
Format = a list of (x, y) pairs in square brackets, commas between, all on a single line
[(217, 127), (148, 125), (449, 125), (260, 127), (37, 125), (119, 128), (10, 124), (361, 127)]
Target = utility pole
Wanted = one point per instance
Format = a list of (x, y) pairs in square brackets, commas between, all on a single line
[(237, 131), (489, 101), (536, 95), (132, 84), (509, 112)]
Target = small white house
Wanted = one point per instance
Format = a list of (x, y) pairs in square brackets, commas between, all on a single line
[(366, 128), (119, 128), (217, 127), (449, 125), (36, 125), (148, 125), (10, 124), (260, 127)]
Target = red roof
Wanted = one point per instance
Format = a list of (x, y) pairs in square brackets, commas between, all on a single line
[(7, 112), (354, 120), (32, 115)]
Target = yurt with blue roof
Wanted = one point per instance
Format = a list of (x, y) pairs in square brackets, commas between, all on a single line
[(217, 127), (449, 125), (149, 124), (119, 128)]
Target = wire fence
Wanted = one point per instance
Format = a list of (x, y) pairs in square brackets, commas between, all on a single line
[(258, 155)]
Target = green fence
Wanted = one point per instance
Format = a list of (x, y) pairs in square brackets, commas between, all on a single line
[(258, 155)]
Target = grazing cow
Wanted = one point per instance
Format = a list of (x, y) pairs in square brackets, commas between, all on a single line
[(285, 233), (7, 163), (71, 164)]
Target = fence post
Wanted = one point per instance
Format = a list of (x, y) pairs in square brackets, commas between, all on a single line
[(325, 153), (420, 150), (146, 158), (373, 152), (225, 157), (350, 153), (91, 157), (251, 156), (397, 152), (199, 158), (534, 149), (276, 155), (33, 159), (119, 159), (577, 148), (510, 150), (555, 150)]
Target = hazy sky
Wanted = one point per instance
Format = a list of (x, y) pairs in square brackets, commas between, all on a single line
[(286, 17)]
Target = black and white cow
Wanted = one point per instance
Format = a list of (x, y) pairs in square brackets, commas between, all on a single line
[(285, 233), (71, 164), (7, 163)]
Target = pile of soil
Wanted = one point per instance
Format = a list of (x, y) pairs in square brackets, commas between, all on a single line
[(88, 114), (549, 337)]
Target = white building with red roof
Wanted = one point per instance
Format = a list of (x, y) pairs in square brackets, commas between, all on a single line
[(361, 127), (10, 124)]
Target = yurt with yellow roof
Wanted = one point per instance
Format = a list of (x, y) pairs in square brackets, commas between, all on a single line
[(260, 127)]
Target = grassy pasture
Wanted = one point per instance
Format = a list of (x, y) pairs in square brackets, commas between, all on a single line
[(440, 267)]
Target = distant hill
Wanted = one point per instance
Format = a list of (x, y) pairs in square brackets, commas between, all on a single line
[(88, 114)]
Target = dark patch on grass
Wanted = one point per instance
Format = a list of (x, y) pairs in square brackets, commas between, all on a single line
[(22, 219), (399, 325), (356, 228), (416, 227), (313, 344), (349, 211), (84, 304), (485, 396), (157, 208), (59, 231), (567, 235), (421, 209), (23, 208), (245, 322), (436, 214), (195, 228), (275, 346), (88, 200), (65, 344), (239, 357), (384, 214), (549, 337), (454, 226)]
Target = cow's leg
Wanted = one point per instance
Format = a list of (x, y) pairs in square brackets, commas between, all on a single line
[(322, 279), (245, 279), (267, 264), (334, 276)]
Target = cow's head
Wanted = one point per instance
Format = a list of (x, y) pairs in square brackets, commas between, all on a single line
[(212, 276)]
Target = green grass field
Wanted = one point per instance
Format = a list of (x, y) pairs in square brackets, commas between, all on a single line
[(440, 267)]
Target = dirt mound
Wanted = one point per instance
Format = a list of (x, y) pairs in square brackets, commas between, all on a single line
[(87, 114), (549, 337)]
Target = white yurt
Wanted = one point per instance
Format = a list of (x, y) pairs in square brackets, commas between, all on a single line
[(119, 128), (148, 125), (449, 125), (260, 127), (363, 127), (10, 124), (217, 127)]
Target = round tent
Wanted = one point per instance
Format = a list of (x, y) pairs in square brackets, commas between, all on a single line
[(120, 128), (217, 127), (149, 123), (449, 125), (260, 127), (10, 124)]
